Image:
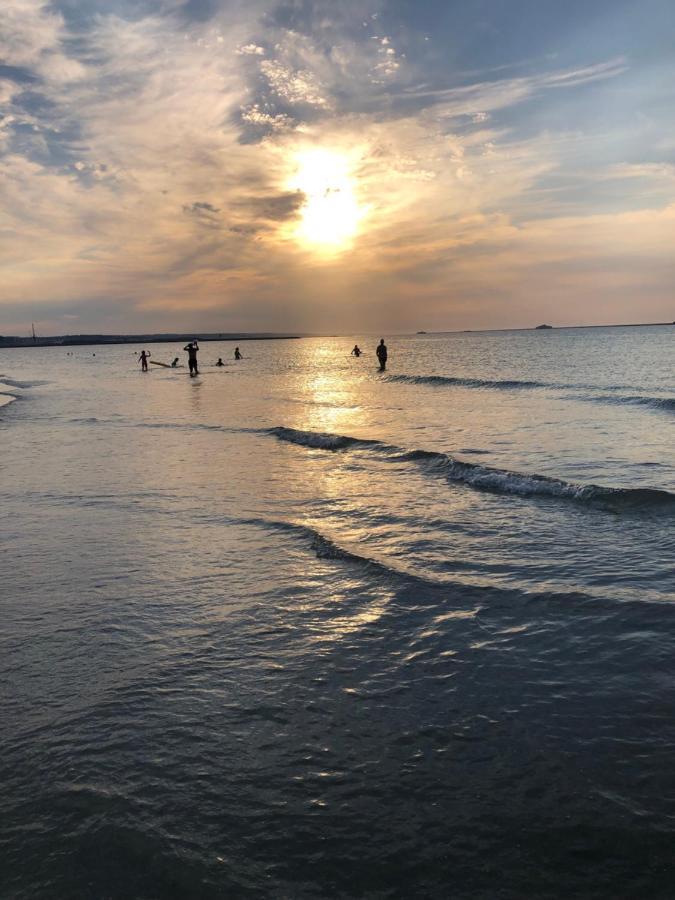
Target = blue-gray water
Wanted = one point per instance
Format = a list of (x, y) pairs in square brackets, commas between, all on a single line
[(296, 629)]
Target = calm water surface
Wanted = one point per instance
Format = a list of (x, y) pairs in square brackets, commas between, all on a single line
[(298, 629)]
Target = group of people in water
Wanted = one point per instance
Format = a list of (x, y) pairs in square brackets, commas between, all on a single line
[(192, 349), (380, 351)]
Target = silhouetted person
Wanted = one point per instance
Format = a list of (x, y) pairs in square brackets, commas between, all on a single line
[(174, 363), (192, 349), (356, 351), (220, 361), (381, 352), (144, 360), (237, 354)]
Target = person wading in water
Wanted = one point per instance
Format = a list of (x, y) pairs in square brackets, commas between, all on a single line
[(192, 349), (381, 352)]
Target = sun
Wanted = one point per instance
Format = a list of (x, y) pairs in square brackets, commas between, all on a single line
[(330, 215)]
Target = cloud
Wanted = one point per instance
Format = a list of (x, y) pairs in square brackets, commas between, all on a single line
[(32, 36), (479, 99), (200, 208), (146, 148), (275, 208), (660, 171), (250, 49), (294, 86)]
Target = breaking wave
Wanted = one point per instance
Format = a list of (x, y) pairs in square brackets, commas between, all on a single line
[(485, 478), (320, 440)]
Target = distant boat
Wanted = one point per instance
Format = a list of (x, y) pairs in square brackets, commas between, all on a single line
[(542, 327), (421, 332)]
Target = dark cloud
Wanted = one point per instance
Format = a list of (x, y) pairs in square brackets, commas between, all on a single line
[(274, 207), (86, 12), (245, 230), (205, 214), (35, 103), (200, 208), (199, 10), (17, 74)]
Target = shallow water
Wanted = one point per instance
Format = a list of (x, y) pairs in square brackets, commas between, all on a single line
[(295, 628)]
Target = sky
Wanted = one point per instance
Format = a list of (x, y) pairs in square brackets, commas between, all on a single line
[(335, 166)]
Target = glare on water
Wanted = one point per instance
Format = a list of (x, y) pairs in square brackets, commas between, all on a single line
[(245, 613)]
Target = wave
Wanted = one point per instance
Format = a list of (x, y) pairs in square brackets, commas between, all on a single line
[(319, 440), (465, 595), (12, 382), (611, 396), (326, 548), (121, 422), (485, 478), (666, 404), (446, 380)]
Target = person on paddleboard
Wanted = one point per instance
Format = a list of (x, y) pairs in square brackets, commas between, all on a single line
[(144, 360), (381, 353), (192, 349), (356, 351)]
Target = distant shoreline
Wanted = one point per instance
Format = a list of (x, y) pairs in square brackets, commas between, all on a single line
[(549, 328), (83, 340)]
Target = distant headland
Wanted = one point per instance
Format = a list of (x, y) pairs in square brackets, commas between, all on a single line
[(75, 340)]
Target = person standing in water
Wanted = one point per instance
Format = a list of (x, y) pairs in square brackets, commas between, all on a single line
[(174, 364), (192, 349), (381, 352), (220, 361), (144, 360), (356, 351), (237, 354)]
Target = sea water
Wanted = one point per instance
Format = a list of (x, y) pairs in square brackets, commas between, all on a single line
[(298, 628)]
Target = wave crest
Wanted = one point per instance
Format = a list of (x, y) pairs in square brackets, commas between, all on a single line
[(446, 380), (319, 440), (485, 478), (12, 382), (667, 404)]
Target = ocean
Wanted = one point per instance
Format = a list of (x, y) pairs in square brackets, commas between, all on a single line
[(296, 628)]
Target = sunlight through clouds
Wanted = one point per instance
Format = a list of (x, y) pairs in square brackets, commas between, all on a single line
[(330, 214), (251, 162)]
